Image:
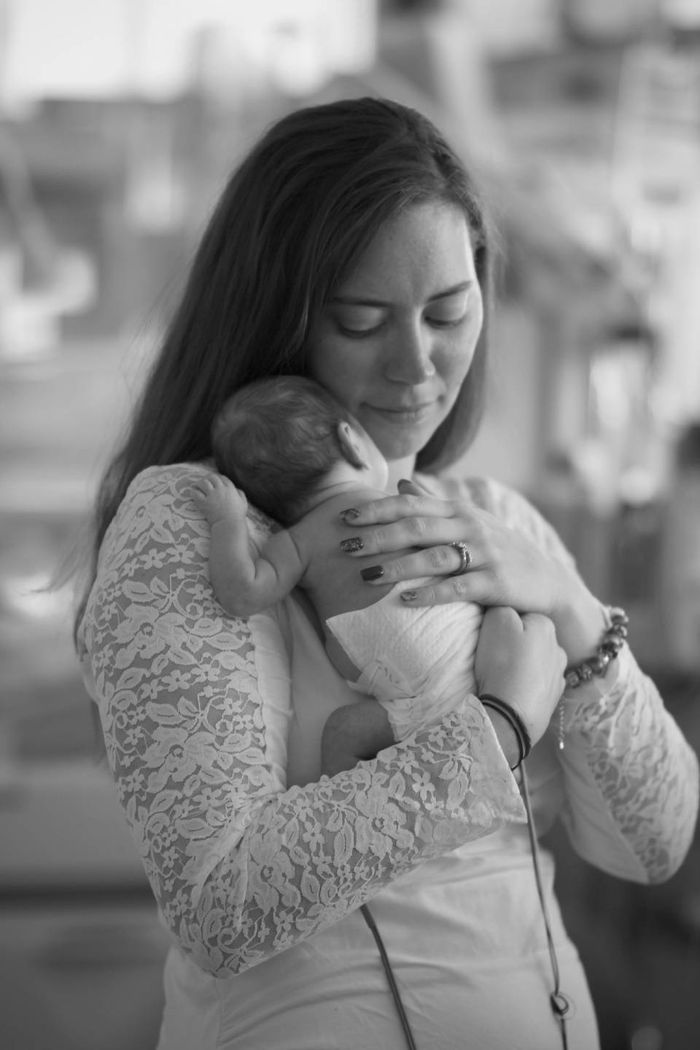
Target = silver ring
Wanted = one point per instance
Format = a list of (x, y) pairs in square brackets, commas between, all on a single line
[(465, 558)]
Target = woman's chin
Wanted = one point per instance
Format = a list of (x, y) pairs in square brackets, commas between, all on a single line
[(398, 437)]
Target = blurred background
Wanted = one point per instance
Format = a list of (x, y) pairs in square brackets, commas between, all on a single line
[(119, 122)]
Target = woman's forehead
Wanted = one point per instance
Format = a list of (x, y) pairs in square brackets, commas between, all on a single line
[(424, 250)]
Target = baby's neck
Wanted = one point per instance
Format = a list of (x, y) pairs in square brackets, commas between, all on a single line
[(350, 491)]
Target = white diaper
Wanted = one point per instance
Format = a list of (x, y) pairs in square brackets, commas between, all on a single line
[(416, 662)]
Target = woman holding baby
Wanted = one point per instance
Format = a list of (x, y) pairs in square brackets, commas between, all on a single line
[(353, 247)]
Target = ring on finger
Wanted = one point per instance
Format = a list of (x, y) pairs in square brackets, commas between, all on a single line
[(465, 558)]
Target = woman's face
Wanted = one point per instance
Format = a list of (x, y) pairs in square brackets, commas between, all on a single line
[(397, 338)]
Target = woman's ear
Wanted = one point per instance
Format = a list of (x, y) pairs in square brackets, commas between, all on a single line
[(352, 445)]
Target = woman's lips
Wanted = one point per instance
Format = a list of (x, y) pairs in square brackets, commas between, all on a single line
[(407, 414)]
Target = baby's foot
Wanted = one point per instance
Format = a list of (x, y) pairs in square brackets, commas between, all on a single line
[(218, 498)]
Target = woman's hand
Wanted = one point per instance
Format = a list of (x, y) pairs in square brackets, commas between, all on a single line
[(506, 567), (519, 660)]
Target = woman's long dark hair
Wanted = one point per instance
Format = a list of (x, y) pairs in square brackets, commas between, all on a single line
[(291, 221)]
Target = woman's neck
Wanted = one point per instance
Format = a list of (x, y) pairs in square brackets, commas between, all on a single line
[(398, 469)]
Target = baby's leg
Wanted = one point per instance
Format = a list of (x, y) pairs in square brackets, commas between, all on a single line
[(354, 733)]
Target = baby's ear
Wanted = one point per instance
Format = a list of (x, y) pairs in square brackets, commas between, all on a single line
[(352, 445)]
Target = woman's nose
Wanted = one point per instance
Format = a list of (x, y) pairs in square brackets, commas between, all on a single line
[(410, 359)]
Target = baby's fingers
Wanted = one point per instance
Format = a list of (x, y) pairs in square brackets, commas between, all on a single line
[(199, 489)]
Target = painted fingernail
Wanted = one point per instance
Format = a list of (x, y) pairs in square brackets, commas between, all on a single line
[(408, 596), (351, 545), (350, 514), (374, 572)]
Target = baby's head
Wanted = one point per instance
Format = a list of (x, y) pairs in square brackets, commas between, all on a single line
[(279, 438)]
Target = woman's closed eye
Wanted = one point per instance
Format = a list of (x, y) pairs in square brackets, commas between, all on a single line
[(358, 328), (448, 312), (446, 319), (360, 322)]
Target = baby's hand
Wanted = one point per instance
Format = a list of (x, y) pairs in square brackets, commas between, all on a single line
[(218, 499)]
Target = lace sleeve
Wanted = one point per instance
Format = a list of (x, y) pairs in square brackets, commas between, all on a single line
[(242, 866), (630, 777)]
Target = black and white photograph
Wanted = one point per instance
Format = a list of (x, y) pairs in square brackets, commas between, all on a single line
[(349, 524)]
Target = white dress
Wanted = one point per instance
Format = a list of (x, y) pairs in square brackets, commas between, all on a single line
[(259, 865)]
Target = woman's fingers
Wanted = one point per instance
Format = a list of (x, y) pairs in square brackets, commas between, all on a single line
[(444, 560), (418, 532), (465, 552), (425, 546), (462, 589), (410, 487), (396, 509)]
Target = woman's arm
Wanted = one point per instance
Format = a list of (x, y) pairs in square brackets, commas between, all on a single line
[(193, 711), (631, 778)]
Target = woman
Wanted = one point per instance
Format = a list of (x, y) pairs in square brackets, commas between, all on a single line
[(351, 246)]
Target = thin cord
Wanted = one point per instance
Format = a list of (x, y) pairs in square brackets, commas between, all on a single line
[(369, 919), (559, 1002)]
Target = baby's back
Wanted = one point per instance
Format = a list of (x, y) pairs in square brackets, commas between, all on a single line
[(332, 578), (425, 652)]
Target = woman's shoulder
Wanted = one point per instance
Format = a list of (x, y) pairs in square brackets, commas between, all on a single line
[(505, 503), (489, 494), (160, 486), (160, 496), (169, 476)]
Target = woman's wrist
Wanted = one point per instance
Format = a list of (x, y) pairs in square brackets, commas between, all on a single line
[(508, 713), (609, 646), (580, 620), (506, 736)]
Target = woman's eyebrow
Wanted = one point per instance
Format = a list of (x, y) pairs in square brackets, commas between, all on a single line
[(462, 287), (363, 300)]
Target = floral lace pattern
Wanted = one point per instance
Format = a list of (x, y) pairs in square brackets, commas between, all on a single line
[(641, 764), (244, 867), (627, 744), (241, 867)]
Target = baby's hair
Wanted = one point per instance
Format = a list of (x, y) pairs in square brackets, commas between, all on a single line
[(276, 438)]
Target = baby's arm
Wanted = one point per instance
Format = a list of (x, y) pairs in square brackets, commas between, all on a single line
[(243, 584)]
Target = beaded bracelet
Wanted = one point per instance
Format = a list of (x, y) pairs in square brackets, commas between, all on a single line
[(612, 641), (514, 721)]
